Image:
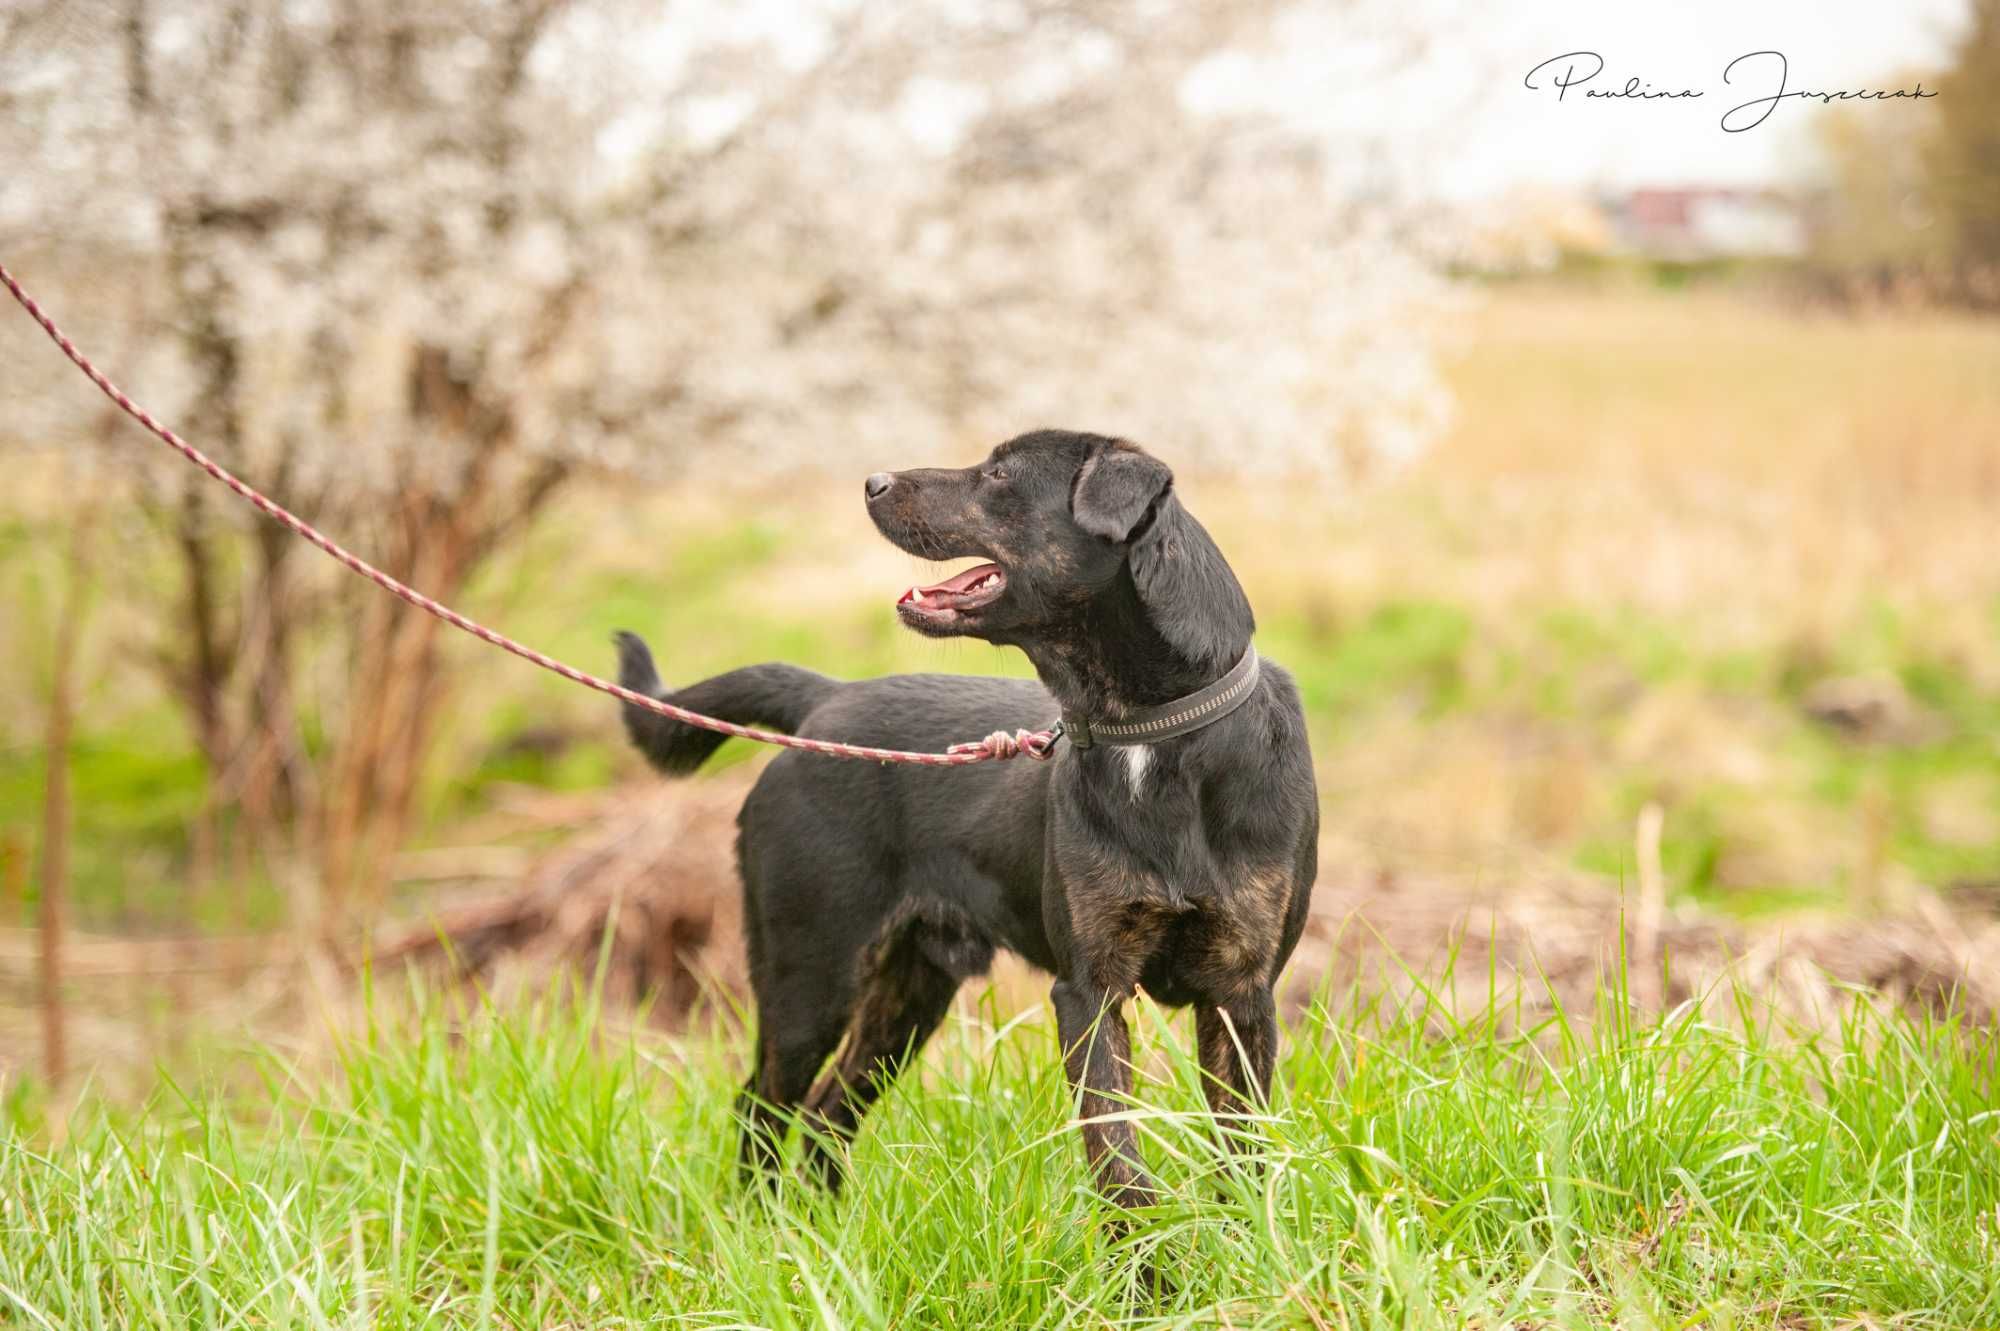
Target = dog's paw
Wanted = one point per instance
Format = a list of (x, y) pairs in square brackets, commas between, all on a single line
[(635, 664)]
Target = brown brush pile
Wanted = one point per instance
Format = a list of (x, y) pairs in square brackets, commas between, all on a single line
[(655, 865), (1534, 944)]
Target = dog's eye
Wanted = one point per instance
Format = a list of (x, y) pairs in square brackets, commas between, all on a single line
[(993, 474)]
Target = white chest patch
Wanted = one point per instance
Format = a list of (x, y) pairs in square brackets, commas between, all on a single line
[(1136, 758)]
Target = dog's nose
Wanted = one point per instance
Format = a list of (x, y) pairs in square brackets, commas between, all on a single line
[(878, 484)]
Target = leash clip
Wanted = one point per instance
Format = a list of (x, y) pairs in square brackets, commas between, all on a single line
[(1041, 745)]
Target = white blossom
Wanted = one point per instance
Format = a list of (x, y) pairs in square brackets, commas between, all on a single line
[(794, 235)]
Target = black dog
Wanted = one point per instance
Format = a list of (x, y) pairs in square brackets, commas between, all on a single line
[(1155, 850)]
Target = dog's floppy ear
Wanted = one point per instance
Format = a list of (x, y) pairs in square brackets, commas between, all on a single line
[(1191, 597), (1189, 592), (1115, 488)]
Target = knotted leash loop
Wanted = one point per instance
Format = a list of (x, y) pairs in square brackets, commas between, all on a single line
[(995, 747), (1036, 744)]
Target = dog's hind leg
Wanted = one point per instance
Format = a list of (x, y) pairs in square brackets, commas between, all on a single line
[(787, 1062), (909, 976)]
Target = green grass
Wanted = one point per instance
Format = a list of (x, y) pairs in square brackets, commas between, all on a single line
[(528, 1169), (1409, 649)]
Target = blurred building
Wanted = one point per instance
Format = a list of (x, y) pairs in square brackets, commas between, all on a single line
[(1706, 222)]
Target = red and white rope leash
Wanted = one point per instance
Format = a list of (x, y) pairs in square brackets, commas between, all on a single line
[(998, 745)]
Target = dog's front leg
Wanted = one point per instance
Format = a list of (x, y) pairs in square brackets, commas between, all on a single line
[(1238, 1041), (1097, 1054)]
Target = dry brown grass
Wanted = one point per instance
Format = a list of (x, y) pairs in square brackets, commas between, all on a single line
[(1755, 468)]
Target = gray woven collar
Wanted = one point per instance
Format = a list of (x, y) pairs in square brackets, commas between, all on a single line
[(1150, 725)]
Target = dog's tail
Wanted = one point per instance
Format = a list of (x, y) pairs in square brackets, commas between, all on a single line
[(775, 695)]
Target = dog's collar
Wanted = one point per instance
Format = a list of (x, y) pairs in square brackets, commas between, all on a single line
[(1150, 725)]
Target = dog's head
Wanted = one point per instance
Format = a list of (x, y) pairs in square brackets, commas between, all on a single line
[(1065, 521)]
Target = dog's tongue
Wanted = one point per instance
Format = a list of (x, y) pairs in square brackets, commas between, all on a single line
[(957, 585), (960, 583)]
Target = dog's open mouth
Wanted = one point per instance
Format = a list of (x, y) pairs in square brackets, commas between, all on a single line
[(959, 594)]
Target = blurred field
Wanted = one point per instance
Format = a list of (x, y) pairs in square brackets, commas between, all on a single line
[(1665, 525)]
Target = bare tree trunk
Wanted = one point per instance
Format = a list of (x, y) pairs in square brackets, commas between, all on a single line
[(397, 685), (399, 675), (55, 801), (207, 671)]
